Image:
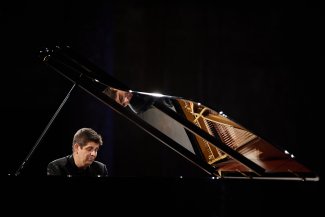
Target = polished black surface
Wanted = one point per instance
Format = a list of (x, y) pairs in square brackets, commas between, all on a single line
[(168, 196)]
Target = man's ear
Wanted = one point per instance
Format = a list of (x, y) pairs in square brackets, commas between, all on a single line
[(75, 147)]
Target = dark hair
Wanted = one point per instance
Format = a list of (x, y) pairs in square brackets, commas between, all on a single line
[(111, 92), (85, 135)]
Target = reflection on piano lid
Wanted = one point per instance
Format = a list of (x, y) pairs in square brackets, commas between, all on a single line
[(209, 139)]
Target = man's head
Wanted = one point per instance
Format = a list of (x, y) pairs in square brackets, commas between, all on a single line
[(85, 145), (120, 96)]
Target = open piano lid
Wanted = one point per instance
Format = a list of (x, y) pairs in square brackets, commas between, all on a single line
[(209, 139)]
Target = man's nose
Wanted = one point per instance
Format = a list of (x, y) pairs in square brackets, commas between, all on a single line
[(126, 100)]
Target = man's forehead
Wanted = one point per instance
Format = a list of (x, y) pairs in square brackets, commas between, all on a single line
[(92, 144)]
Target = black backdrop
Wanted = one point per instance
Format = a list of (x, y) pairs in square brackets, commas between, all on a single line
[(262, 67)]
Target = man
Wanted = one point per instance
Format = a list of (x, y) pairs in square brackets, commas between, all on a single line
[(85, 145)]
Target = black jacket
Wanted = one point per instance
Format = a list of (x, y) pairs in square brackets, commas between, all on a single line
[(66, 166)]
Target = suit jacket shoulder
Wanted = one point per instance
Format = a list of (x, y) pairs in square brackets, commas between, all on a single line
[(58, 166)]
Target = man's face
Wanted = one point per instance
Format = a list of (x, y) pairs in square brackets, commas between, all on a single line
[(87, 154), (123, 97)]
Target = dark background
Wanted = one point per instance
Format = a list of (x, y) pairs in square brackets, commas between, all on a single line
[(262, 67)]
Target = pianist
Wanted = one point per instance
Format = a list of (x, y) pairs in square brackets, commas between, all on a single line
[(81, 162)]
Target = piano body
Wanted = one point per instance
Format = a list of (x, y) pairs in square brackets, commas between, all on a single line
[(208, 139)]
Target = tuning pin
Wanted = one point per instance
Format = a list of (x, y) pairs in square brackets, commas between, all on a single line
[(222, 114)]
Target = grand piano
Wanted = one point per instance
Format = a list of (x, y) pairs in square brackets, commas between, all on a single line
[(210, 140)]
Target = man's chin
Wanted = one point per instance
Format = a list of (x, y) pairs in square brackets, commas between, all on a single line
[(88, 163)]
